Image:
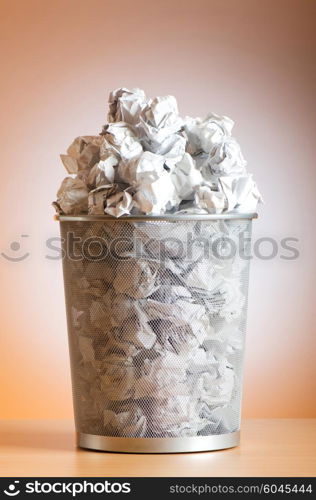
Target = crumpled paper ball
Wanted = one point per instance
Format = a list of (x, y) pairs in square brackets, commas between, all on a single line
[(159, 162)]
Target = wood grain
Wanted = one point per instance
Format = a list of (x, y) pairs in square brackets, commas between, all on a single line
[(269, 447)]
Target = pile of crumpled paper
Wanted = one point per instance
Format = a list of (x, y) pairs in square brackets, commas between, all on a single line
[(148, 160)]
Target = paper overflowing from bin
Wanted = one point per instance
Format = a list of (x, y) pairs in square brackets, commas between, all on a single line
[(159, 163), (157, 332)]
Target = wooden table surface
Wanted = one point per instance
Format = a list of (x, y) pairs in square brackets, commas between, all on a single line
[(269, 447)]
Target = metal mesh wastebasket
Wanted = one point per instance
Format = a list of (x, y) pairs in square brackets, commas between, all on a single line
[(156, 312)]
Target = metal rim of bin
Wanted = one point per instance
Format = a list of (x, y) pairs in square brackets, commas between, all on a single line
[(157, 445), (145, 218)]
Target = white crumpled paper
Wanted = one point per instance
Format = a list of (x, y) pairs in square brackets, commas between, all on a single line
[(210, 200), (159, 119), (203, 134), (82, 154), (72, 197), (142, 278), (130, 423), (99, 196), (108, 199), (102, 172), (156, 197), (225, 158), (148, 166), (120, 138), (186, 177), (162, 162), (125, 105)]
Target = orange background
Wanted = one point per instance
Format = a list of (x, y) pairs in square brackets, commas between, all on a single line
[(251, 60)]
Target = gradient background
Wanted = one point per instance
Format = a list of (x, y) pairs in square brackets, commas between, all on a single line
[(251, 60)]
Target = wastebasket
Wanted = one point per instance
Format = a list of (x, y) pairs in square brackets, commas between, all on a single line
[(156, 312)]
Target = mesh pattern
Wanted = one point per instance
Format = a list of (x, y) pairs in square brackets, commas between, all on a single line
[(156, 317)]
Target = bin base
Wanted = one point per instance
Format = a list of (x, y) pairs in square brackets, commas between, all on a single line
[(158, 445)]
